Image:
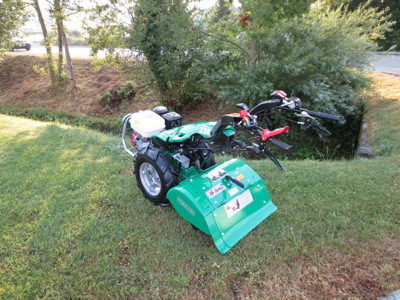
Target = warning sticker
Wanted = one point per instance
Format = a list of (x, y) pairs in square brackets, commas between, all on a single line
[(233, 191), (216, 174), (215, 190), (238, 203)]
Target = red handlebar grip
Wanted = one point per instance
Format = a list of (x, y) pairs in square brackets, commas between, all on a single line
[(267, 133)]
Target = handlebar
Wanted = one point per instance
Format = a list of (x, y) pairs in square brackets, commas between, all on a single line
[(323, 115), (280, 144), (311, 113)]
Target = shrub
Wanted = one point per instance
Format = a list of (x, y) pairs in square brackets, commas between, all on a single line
[(127, 89), (319, 58), (115, 97), (166, 35), (106, 98)]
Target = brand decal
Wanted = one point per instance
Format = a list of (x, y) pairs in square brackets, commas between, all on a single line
[(186, 206), (205, 130)]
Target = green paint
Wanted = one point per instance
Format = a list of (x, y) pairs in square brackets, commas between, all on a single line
[(221, 208)]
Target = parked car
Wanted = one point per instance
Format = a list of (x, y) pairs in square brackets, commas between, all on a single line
[(20, 42), (26, 46)]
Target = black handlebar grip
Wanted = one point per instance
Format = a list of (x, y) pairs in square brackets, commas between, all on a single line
[(237, 182), (280, 144), (323, 115)]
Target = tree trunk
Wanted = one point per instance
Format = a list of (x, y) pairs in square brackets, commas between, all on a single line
[(57, 13), (70, 67), (47, 43), (253, 52)]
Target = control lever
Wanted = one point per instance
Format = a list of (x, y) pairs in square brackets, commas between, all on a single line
[(310, 123), (237, 182), (254, 149)]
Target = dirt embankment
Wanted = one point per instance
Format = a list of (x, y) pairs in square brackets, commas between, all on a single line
[(22, 86)]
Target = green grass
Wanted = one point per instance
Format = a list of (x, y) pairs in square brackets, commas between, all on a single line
[(74, 225)]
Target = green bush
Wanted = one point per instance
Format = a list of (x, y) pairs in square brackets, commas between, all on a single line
[(319, 58), (116, 97), (167, 36), (106, 98), (127, 89)]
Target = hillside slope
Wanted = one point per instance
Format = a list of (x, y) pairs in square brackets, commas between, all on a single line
[(74, 225), (21, 86)]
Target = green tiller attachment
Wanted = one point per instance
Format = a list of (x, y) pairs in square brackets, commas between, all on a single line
[(226, 201)]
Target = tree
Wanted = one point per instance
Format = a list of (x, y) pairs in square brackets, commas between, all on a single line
[(166, 34), (319, 57), (59, 15), (50, 65), (57, 11), (13, 14), (253, 22), (392, 7)]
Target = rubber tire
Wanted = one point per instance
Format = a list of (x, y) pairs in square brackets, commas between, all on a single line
[(165, 171), (206, 159)]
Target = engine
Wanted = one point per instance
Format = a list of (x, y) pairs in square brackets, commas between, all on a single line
[(145, 124)]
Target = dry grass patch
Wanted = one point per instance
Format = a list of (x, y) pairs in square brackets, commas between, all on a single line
[(383, 114)]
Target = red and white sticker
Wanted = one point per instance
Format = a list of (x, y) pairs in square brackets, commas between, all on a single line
[(238, 203), (215, 190)]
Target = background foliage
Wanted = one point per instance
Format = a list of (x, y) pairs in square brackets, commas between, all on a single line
[(165, 33), (12, 16), (391, 39)]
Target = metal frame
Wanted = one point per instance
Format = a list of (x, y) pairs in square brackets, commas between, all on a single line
[(123, 139)]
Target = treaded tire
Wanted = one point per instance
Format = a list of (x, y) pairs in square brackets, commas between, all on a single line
[(164, 169), (206, 157)]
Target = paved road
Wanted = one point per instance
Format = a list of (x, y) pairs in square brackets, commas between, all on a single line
[(75, 51), (386, 63), (381, 63)]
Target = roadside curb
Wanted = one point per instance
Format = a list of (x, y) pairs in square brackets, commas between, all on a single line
[(364, 148), (388, 73), (387, 53)]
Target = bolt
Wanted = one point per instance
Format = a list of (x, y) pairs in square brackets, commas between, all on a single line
[(265, 201), (222, 233), (215, 215)]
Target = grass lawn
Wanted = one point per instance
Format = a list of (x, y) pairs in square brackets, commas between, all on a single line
[(74, 225)]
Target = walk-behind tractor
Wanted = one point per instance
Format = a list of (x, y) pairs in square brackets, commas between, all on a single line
[(174, 164)]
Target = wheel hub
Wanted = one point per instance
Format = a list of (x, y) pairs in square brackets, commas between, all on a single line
[(150, 179)]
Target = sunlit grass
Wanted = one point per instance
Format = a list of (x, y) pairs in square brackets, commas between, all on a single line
[(74, 225)]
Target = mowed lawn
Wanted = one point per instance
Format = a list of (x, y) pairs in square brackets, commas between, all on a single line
[(74, 225)]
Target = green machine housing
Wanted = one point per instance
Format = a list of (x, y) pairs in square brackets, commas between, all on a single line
[(226, 201)]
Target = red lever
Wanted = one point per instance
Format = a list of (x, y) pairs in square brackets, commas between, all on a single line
[(267, 133), (243, 113)]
